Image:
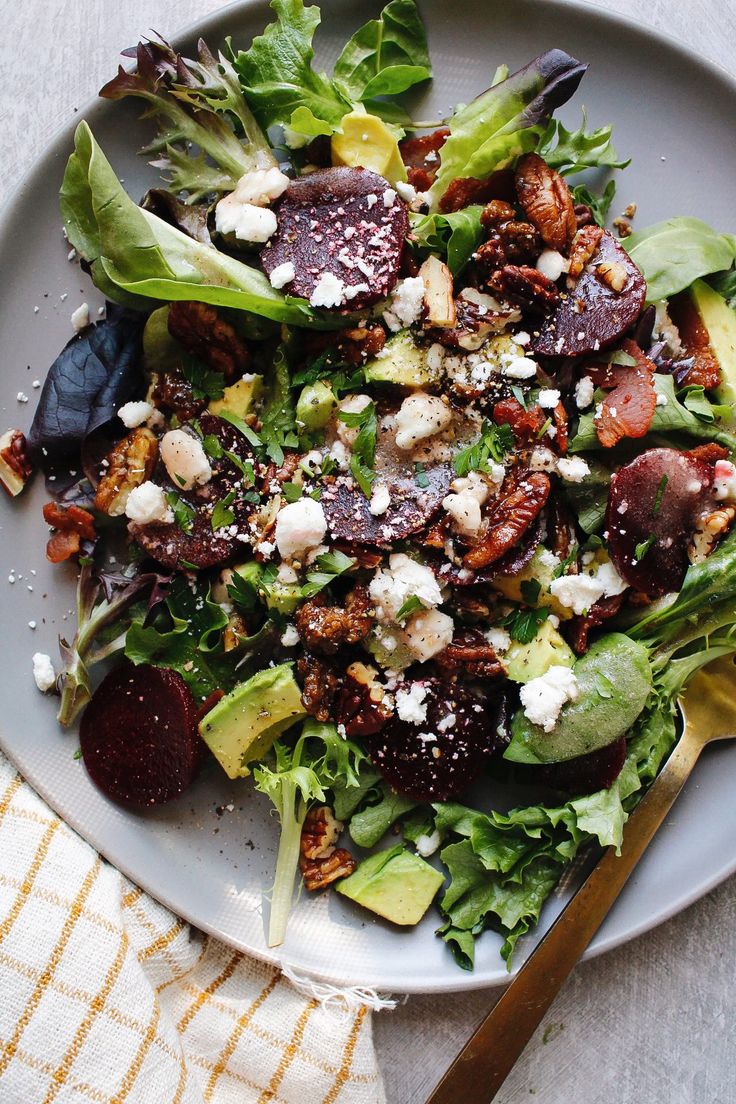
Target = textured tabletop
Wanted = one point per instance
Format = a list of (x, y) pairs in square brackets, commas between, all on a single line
[(650, 1023)]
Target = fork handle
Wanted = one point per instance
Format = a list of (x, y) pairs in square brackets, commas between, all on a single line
[(487, 1058)]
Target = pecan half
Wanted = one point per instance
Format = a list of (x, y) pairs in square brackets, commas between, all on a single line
[(524, 286), (129, 463), (175, 394), (546, 200), (521, 500), (584, 245), (325, 629), (470, 654), (320, 683), (709, 531), (319, 861), (202, 332), (578, 628), (362, 708), (72, 524), (15, 464)]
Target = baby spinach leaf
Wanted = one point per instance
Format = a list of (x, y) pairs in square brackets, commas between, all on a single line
[(674, 253), (386, 55), (371, 823)]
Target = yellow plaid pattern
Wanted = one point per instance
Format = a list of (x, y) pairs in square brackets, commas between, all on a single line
[(107, 998)]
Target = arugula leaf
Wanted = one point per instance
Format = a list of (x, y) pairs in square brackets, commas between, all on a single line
[(506, 121), (674, 253), (572, 151), (600, 205), (493, 444), (330, 564), (387, 55), (454, 236), (134, 256)]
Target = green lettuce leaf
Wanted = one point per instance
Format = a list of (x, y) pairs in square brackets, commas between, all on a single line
[(134, 256), (387, 55), (454, 236), (572, 151), (506, 121), (673, 253), (600, 205), (372, 822)]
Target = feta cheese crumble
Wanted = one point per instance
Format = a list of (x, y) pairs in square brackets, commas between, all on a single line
[(282, 274), (542, 698), (573, 469), (80, 317), (407, 300), (548, 398), (244, 212), (133, 414), (329, 291), (184, 459), (43, 672), (410, 704), (428, 843), (147, 503), (552, 264), (420, 416), (380, 499), (391, 586), (584, 391), (290, 636), (428, 633), (300, 526), (580, 592)]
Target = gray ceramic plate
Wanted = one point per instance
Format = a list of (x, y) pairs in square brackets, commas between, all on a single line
[(673, 115)]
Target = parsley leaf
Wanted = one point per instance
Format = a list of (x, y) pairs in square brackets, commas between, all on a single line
[(410, 606), (530, 591), (493, 444), (523, 625), (183, 512), (643, 547), (205, 383), (330, 564), (292, 492), (222, 515), (364, 446), (420, 476), (660, 494)]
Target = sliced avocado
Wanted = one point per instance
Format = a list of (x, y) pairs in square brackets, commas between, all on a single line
[(315, 405), (244, 724), (366, 141), (396, 884), (161, 352), (239, 398), (510, 586), (525, 662), (403, 362), (284, 597), (614, 681), (719, 321)]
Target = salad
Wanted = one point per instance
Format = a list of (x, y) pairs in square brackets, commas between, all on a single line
[(395, 481)]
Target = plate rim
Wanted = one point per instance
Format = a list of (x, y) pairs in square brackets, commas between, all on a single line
[(60, 139)]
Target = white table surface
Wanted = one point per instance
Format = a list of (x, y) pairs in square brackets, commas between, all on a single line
[(653, 1022)]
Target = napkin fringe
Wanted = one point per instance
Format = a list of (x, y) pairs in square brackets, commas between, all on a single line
[(347, 999)]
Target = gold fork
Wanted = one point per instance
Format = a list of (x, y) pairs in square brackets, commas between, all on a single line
[(708, 708)]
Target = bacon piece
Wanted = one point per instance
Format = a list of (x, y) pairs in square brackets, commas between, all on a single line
[(72, 525), (628, 408), (422, 169), (521, 500), (705, 370)]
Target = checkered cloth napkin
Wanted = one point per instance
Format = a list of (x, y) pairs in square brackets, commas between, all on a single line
[(106, 997)]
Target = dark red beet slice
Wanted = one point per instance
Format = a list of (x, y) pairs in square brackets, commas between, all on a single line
[(593, 315), (338, 213), (430, 764), (170, 545), (644, 509), (349, 517), (139, 736), (586, 774)]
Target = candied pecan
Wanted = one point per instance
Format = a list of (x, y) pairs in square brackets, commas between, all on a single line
[(561, 528), (709, 453), (420, 179), (469, 606), (525, 286), (235, 630), (282, 474), (466, 190), (583, 215), (318, 873), (520, 501), (175, 394), (559, 417), (129, 463), (708, 532), (419, 154), (629, 406), (319, 861), (546, 200), (510, 241), (15, 464), (362, 708), (320, 682), (437, 533), (368, 558), (472, 655), (72, 524), (525, 424), (705, 370), (202, 332), (584, 245), (496, 212), (326, 629), (577, 629), (362, 342)]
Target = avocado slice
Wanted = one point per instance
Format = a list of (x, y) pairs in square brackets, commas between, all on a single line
[(615, 680), (244, 724), (525, 662), (719, 321), (401, 361), (315, 405), (544, 573), (239, 398), (396, 884), (364, 140), (284, 597)]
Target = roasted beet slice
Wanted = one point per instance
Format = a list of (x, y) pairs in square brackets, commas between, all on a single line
[(346, 222), (629, 406), (139, 736), (586, 774), (349, 517), (200, 547), (439, 757), (605, 301), (653, 505)]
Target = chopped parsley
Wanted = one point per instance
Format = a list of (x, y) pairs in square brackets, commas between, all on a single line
[(364, 446), (660, 494), (643, 547), (183, 512), (212, 446), (523, 625), (222, 515), (530, 591), (242, 427), (292, 492), (205, 384), (330, 564), (420, 476), (410, 606), (492, 445)]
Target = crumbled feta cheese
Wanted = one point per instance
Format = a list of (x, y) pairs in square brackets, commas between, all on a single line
[(548, 398), (577, 592), (340, 454), (286, 574), (610, 580), (584, 391), (548, 559), (293, 139), (724, 482), (661, 400), (464, 509), (474, 483), (80, 317), (353, 404), (246, 221), (290, 637), (411, 196), (21, 397), (406, 305), (519, 367), (380, 499), (390, 587), (410, 704), (428, 843), (184, 459), (542, 698), (133, 414), (258, 187), (147, 503), (427, 633), (329, 291), (420, 416), (542, 459), (389, 197), (435, 357), (282, 274), (43, 672), (300, 525), (499, 639), (552, 264), (573, 469)]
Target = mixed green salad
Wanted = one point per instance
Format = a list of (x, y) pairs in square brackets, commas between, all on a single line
[(395, 480)]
